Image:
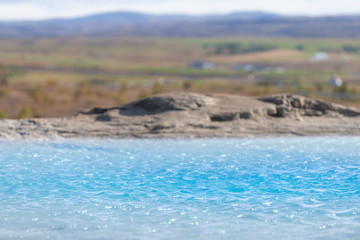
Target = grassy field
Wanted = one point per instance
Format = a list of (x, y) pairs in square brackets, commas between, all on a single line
[(59, 77)]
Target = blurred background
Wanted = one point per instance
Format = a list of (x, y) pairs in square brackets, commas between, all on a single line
[(59, 58)]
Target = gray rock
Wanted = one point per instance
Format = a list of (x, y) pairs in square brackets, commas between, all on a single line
[(173, 102), (195, 115), (288, 105), (223, 117)]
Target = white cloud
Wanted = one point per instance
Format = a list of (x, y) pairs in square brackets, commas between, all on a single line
[(41, 9), (303, 7), (22, 11)]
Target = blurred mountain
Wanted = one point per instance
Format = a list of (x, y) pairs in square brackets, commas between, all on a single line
[(234, 24)]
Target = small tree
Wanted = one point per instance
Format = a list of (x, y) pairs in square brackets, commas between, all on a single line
[(300, 47)]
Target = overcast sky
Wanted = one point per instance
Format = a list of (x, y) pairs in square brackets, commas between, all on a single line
[(44, 9)]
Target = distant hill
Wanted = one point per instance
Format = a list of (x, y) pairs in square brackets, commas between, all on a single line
[(234, 24)]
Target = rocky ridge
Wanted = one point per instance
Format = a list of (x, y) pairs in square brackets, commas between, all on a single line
[(196, 115)]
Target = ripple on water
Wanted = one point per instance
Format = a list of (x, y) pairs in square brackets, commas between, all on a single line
[(182, 189)]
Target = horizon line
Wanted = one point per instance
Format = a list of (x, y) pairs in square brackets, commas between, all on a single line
[(181, 14)]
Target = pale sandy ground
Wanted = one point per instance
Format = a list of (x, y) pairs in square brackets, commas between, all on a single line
[(188, 115)]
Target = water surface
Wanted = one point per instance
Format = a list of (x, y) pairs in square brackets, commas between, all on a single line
[(275, 188)]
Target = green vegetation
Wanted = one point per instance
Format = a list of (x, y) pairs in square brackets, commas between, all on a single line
[(59, 77), (3, 115), (240, 48), (351, 48), (25, 112)]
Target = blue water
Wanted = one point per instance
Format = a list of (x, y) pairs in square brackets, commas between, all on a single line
[(276, 188)]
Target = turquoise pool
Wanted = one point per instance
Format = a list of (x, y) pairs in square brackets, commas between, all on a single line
[(270, 188)]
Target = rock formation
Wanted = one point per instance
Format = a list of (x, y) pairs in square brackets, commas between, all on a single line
[(293, 105), (196, 115)]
